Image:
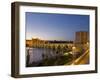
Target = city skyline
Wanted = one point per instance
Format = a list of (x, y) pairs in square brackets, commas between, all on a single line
[(47, 26)]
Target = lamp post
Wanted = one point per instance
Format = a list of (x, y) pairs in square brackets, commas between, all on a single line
[(73, 52)]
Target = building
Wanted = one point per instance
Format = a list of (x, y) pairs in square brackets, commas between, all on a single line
[(81, 38), (35, 42), (29, 43)]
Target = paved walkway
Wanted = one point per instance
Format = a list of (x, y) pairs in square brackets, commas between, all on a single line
[(84, 59)]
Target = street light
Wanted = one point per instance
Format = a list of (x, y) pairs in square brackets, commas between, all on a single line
[(73, 52), (73, 48)]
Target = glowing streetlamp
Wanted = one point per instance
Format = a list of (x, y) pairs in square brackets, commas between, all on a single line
[(73, 52), (73, 48)]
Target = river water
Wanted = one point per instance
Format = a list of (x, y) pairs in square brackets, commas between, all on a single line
[(36, 54)]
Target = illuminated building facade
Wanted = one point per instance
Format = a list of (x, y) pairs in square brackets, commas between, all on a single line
[(81, 38)]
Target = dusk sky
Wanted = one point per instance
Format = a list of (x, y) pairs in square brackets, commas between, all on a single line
[(47, 26)]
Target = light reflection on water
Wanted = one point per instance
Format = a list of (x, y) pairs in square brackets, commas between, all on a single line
[(36, 54)]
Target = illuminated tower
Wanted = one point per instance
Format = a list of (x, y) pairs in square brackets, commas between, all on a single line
[(81, 37)]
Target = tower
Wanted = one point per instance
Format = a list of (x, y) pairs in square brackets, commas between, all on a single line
[(81, 38)]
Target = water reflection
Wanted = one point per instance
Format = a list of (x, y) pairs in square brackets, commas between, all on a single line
[(38, 54), (47, 56)]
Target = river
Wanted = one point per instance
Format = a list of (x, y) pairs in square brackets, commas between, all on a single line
[(36, 54)]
